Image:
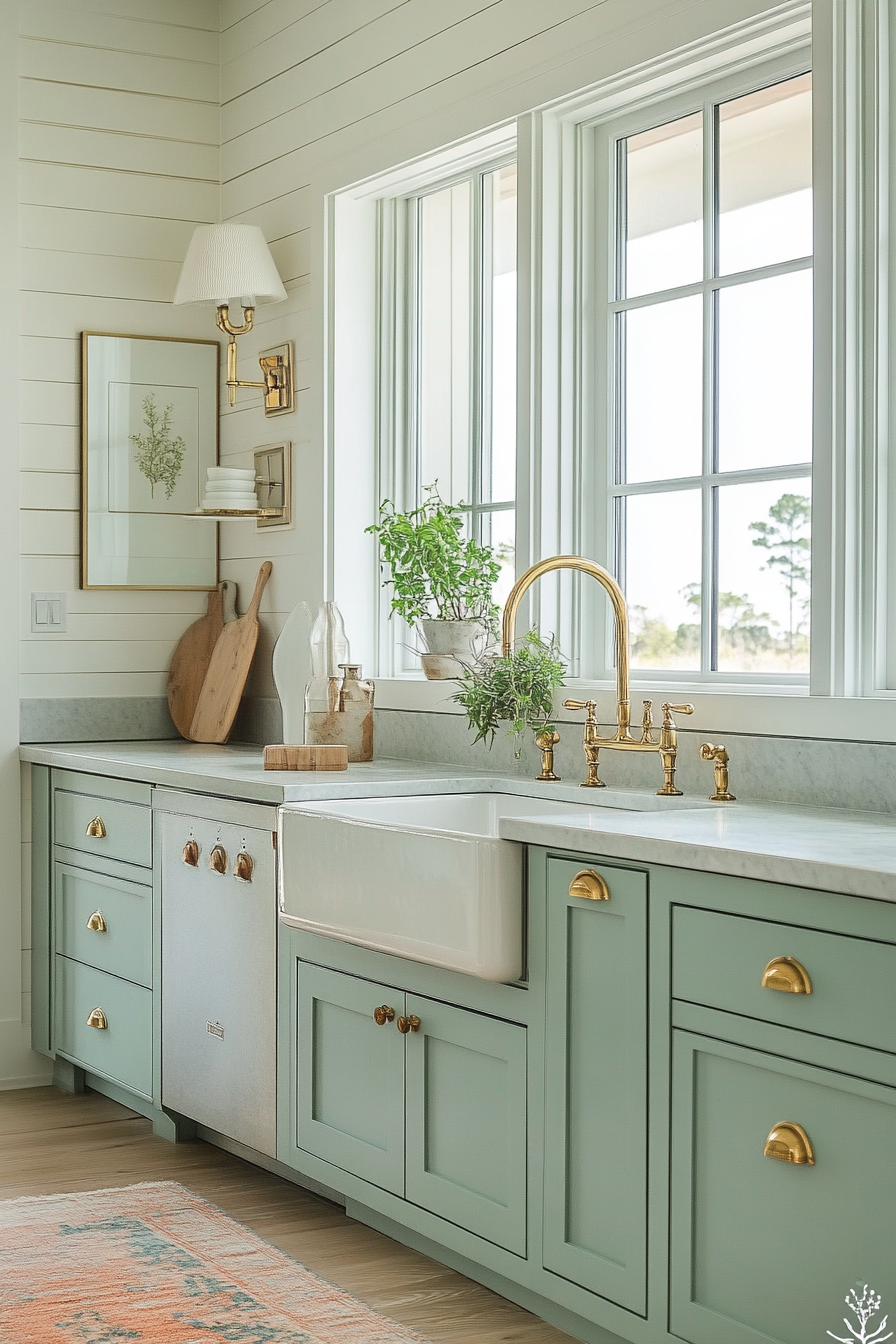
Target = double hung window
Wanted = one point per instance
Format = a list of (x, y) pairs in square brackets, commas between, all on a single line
[(448, 388), (709, 396)]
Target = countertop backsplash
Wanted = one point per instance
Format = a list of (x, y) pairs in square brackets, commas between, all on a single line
[(809, 771)]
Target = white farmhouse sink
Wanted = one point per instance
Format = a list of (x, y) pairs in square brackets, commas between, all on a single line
[(424, 877)]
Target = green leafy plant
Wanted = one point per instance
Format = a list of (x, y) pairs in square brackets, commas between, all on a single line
[(159, 457), (434, 570), (517, 688)]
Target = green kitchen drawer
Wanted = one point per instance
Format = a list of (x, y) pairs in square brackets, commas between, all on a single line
[(106, 826), (104, 922), (719, 960), (123, 1050), (765, 1248)]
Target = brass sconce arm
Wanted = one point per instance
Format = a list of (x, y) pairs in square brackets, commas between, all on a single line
[(276, 365)]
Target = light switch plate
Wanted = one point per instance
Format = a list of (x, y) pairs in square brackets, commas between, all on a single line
[(48, 613)]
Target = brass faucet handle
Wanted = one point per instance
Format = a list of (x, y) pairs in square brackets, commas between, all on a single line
[(669, 710), (647, 722), (588, 705), (709, 751)]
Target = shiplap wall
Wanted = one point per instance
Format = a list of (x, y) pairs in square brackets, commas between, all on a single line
[(118, 161), (316, 96)]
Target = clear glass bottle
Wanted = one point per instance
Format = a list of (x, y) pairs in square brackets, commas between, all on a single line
[(329, 649), (341, 712)]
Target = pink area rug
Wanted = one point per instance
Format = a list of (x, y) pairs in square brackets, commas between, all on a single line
[(156, 1263)]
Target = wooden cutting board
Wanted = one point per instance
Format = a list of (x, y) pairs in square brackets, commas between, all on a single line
[(228, 669), (191, 658)]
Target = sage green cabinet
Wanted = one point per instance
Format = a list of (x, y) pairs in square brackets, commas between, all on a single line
[(350, 1075), (763, 1249), (435, 1115), (595, 1193), (466, 1120)]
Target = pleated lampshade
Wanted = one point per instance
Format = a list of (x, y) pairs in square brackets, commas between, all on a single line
[(226, 262)]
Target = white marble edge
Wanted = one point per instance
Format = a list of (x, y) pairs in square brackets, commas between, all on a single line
[(782, 843)]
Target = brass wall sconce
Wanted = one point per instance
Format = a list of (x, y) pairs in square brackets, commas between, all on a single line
[(227, 261)]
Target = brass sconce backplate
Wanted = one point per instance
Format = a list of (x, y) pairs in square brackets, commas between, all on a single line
[(279, 383), (273, 483)]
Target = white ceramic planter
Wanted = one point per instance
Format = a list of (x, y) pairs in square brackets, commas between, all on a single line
[(451, 646)]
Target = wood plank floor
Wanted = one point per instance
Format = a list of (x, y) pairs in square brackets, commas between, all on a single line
[(52, 1143)]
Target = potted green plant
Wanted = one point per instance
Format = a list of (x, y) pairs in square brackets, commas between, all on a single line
[(441, 581), (515, 688)]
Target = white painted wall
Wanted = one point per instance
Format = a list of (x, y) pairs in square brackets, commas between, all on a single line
[(118, 146)]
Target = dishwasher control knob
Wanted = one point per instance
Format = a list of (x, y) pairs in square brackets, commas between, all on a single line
[(218, 859), (242, 868), (191, 853)]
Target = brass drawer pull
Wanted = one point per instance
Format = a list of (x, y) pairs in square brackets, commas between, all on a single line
[(217, 860), (406, 1024), (383, 1015), (98, 1019), (787, 975), (97, 923), (96, 829), (243, 867), (789, 1142), (191, 853), (589, 886)]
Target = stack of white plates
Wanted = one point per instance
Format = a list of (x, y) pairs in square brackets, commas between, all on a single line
[(230, 488)]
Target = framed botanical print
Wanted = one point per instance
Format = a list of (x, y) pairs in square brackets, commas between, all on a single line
[(149, 431)]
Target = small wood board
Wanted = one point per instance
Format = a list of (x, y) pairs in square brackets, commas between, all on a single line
[(306, 758)]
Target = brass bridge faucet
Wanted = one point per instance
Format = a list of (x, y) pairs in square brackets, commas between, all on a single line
[(667, 742)]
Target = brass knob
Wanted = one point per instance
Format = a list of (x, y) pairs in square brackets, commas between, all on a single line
[(96, 829), (98, 1019), (406, 1024), (242, 868), (787, 975), (217, 860), (383, 1015), (191, 853), (96, 923), (789, 1142), (589, 886)]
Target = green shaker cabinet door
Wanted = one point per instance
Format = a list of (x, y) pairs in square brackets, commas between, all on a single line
[(763, 1249), (466, 1120), (350, 1075), (595, 1215)]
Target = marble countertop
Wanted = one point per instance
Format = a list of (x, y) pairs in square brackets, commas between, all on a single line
[(828, 849), (823, 848)]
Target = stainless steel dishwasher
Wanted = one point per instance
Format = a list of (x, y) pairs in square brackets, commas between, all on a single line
[(219, 965)]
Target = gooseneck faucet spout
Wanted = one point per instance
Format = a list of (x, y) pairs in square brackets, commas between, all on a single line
[(667, 745), (620, 616)]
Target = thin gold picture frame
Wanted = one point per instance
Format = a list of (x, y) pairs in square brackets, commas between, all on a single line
[(85, 482)]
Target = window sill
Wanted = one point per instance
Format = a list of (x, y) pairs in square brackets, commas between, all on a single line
[(772, 711)]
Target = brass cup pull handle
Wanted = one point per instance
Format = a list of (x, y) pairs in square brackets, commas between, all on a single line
[(787, 975), (217, 860), (589, 886), (191, 853), (383, 1014), (789, 1142), (406, 1024), (98, 1019), (97, 923), (96, 829), (243, 867)]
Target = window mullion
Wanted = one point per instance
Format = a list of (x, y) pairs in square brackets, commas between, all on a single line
[(708, 578)]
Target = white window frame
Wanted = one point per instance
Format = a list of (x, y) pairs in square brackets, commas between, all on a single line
[(398, 436), (853, 660)]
